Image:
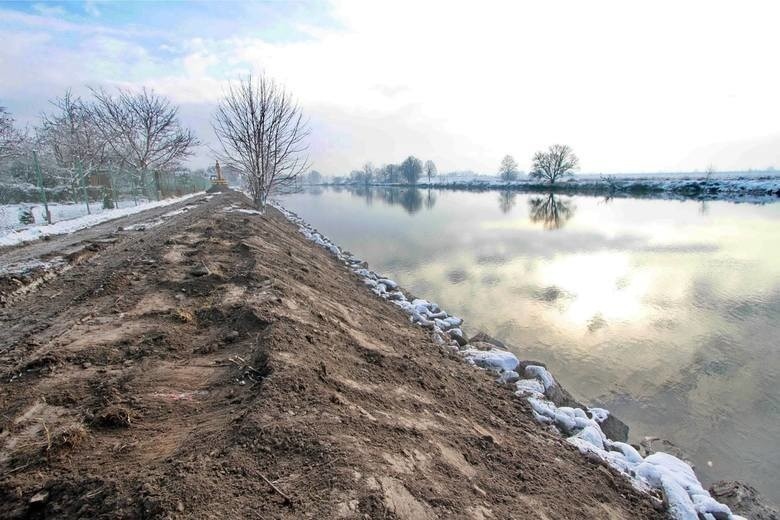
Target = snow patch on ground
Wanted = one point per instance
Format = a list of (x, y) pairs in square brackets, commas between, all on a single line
[(37, 231), (684, 496), (31, 265), (235, 209)]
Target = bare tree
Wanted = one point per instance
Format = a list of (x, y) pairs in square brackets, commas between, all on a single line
[(77, 146), (10, 138), (143, 129), (368, 173), (709, 172), (430, 169), (314, 177), (411, 169), (508, 169), (262, 133), (390, 173), (557, 162)]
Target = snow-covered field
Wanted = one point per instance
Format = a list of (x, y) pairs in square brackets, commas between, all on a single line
[(762, 188), (759, 188), (684, 496), (66, 218)]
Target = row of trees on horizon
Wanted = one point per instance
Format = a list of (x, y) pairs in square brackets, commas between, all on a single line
[(551, 165)]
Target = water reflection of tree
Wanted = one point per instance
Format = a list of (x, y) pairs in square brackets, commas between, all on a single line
[(506, 201), (553, 212), (411, 199), (364, 192), (430, 199)]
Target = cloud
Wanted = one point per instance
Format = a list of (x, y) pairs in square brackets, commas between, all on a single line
[(48, 10), (91, 9)]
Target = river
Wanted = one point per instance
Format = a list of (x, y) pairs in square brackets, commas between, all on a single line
[(665, 312)]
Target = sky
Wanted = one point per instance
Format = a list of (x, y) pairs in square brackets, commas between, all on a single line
[(630, 86)]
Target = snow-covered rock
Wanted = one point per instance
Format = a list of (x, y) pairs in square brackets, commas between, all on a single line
[(499, 360), (542, 374)]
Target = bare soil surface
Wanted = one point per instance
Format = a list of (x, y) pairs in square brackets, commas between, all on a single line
[(220, 366)]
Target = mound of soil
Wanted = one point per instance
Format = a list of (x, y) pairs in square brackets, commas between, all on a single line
[(221, 366)]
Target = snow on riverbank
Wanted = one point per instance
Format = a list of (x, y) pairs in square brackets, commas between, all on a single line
[(10, 237), (747, 188), (724, 187), (684, 496)]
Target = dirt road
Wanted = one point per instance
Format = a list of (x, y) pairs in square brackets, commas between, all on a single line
[(218, 365)]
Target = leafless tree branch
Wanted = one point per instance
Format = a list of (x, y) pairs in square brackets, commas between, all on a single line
[(262, 134)]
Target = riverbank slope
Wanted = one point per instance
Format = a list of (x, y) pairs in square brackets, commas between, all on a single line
[(219, 364)]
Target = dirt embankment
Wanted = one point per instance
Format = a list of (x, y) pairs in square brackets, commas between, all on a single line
[(221, 366)]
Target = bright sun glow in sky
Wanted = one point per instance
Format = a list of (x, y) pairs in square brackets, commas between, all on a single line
[(632, 87)]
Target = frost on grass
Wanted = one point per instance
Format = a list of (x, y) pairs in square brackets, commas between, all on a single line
[(684, 496)]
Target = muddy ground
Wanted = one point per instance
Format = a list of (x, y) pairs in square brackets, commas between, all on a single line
[(218, 365)]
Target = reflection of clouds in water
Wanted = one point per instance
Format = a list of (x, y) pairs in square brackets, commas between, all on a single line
[(692, 247), (496, 259), (550, 294), (596, 323), (423, 288), (707, 294), (664, 324), (490, 280), (456, 276), (766, 306)]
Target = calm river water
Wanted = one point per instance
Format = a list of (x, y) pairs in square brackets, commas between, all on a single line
[(665, 312)]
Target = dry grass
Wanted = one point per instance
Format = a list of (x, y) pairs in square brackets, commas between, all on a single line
[(184, 316), (65, 438), (115, 416)]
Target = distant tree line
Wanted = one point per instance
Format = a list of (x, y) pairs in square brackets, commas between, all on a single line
[(408, 172), (549, 166), (109, 145)]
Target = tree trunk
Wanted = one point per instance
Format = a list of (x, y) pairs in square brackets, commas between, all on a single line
[(157, 184), (260, 201)]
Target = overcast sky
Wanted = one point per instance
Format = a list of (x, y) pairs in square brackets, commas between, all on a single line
[(632, 87)]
